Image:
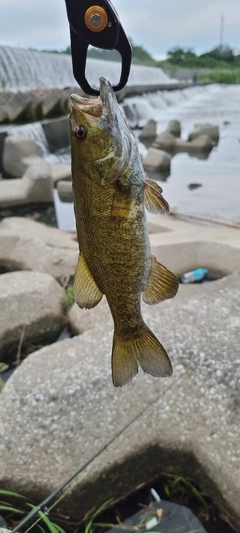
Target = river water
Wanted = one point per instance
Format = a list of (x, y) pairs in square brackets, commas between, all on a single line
[(219, 175)]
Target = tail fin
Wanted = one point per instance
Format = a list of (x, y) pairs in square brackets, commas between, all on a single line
[(143, 348)]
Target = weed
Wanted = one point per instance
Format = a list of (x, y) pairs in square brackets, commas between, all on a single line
[(16, 512), (68, 299), (180, 486)]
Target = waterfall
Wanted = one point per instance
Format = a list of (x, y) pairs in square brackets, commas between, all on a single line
[(33, 131), (36, 132), (139, 109), (24, 70)]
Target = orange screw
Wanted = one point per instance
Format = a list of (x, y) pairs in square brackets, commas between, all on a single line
[(96, 18)]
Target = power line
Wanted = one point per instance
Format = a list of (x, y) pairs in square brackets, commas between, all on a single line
[(222, 30)]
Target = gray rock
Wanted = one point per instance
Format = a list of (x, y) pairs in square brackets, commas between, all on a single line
[(33, 188), (65, 392), (30, 305), (149, 131), (205, 129), (16, 148), (29, 245), (174, 127), (157, 160)]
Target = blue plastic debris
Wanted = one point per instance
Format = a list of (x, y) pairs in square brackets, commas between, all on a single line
[(199, 274)]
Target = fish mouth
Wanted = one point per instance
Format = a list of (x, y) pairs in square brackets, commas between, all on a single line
[(96, 106)]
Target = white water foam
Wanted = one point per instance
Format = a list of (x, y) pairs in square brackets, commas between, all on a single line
[(24, 70)]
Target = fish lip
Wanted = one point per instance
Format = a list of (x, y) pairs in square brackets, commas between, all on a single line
[(88, 106), (106, 90)]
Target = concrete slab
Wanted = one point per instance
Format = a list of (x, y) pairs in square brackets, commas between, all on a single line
[(173, 230), (29, 245), (30, 305), (65, 391), (33, 188), (61, 172), (65, 193)]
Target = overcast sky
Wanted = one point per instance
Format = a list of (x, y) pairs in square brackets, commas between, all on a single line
[(155, 24)]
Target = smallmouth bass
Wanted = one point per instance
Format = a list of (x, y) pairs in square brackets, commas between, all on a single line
[(110, 191)]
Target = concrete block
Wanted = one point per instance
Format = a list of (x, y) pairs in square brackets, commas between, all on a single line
[(65, 191), (16, 148), (60, 172), (165, 141), (205, 129), (149, 131), (57, 132), (34, 187), (174, 127), (29, 245), (29, 301), (157, 160)]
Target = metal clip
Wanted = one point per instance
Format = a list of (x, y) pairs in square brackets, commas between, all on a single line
[(97, 25)]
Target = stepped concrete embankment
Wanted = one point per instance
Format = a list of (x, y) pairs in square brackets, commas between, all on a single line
[(49, 103), (65, 389)]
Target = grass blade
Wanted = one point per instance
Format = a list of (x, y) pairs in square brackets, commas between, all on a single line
[(59, 528), (4, 492), (52, 528), (9, 508)]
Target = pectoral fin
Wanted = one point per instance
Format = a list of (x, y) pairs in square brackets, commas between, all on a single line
[(86, 292), (161, 284), (153, 199)]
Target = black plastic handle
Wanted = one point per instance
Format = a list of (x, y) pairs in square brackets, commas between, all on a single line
[(111, 37)]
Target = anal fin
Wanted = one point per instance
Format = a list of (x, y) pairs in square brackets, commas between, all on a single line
[(86, 292), (161, 285), (153, 199)]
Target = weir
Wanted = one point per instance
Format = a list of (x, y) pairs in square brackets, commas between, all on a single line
[(24, 70)]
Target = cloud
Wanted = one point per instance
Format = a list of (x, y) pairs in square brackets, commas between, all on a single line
[(155, 24)]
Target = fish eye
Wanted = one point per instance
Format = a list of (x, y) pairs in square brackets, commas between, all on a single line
[(80, 132)]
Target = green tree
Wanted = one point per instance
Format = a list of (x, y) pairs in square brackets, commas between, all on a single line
[(221, 53), (140, 55), (181, 56)]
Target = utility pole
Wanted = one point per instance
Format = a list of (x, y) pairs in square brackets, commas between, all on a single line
[(221, 31)]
